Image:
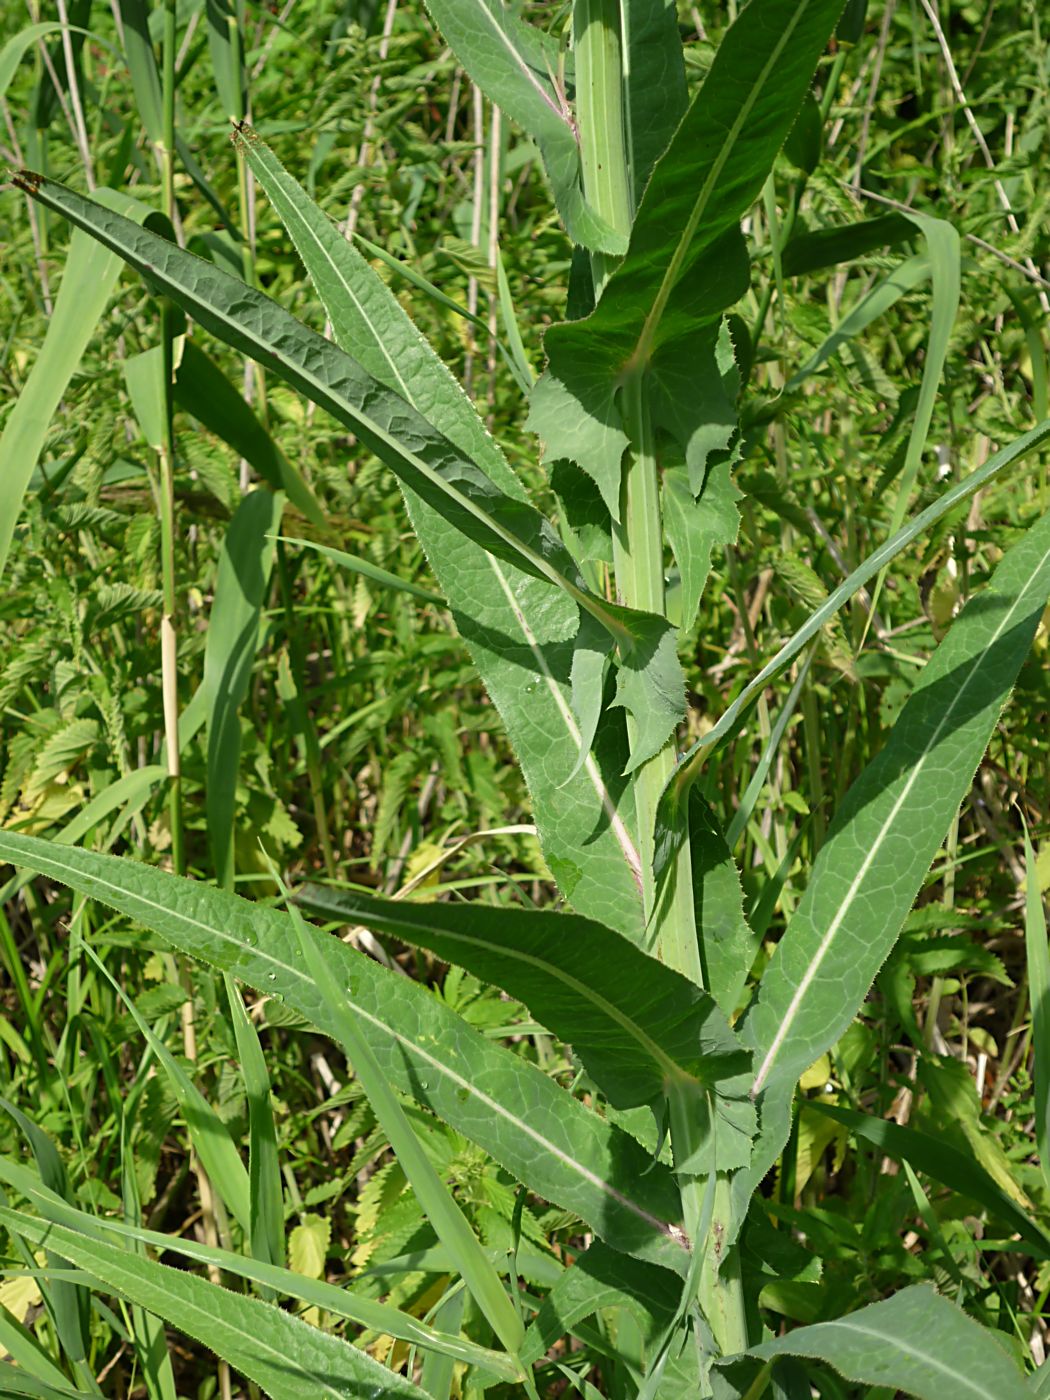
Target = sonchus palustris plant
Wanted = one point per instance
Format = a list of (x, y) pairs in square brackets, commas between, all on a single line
[(690, 1066)]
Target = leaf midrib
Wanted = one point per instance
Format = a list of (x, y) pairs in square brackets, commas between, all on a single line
[(646, 339), (661, 1226), (794, 1007)]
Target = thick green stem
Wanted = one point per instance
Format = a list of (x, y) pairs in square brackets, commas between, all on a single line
[(638, 556)]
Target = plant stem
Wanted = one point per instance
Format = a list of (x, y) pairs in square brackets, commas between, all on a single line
[(638, 557), (168, 639)]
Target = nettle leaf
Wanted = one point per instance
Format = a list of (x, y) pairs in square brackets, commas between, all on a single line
[(917, 1342), (687, 261), (517, 67), (638, 1026), (550, 1141), (885, 835)]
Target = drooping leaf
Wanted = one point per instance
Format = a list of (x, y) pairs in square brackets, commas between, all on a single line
[(885, 834), (941, 1162), (809, 250), (917, 1342), (547, 1139), (638, 1026)]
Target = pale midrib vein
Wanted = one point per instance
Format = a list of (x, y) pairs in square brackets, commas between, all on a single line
[(670, 277), (784, 1029), (616, 822), (670, 1068), (529, 75), (893, 1343), (595, 1180)]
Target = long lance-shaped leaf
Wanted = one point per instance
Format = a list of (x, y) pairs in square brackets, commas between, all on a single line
[(729, 721), (517, 627), (885, 835), (287, 1357), (421, 457), (686, 261), (342, 1302), (639, 1026), (916, 1342), (547, 1139), (385, 422)]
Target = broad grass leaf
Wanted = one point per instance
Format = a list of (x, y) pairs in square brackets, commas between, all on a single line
[(810, 250), (547, 1139), (916, 1342), (886, 833), (941, 1162), (288, 1358)]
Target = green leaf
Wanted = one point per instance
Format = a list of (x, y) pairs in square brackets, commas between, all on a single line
[(655, 96), (727, 945), (288, 1358), (915, 1341), (241, 586), (366, 569), (266, 1200), (941, 1162), (887, 831), (548, 1140), (811, 250), (516, 66), (518, 628), (638, 1026), (90, 276), (687, 261)]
